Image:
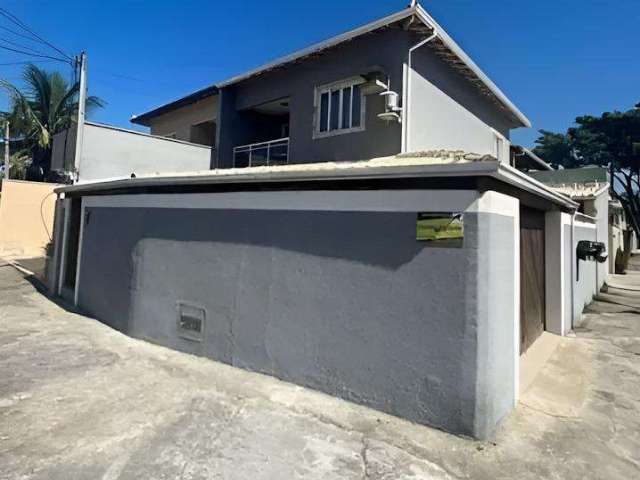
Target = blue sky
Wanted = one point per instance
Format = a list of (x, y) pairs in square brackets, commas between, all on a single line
[(555, 59)]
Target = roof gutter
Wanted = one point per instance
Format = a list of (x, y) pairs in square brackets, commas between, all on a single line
[(494, 169), (407, 68)]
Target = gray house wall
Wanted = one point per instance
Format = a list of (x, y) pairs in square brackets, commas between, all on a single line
[(383, 50), (447, 111), (179, 121), (584, 273), (347, 302)]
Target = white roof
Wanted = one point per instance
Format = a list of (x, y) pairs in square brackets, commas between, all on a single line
[(582, 191), (414, 165)]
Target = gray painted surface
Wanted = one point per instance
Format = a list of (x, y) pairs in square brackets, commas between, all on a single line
[(446, 111), (345, 302), (586, 285), (383, 50), (569, 277), (599, 208), (110, 152)]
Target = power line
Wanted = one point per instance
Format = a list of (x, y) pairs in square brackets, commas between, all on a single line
[(22, 35), (25, 62), (23, 47), (33, 54), (12, 18)]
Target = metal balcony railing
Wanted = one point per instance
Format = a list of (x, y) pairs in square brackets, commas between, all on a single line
[(274, 152)]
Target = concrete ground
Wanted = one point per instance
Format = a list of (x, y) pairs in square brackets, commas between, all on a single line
[(81, 401)]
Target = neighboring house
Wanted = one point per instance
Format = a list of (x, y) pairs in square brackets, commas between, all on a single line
[(589, 187), (404, 265), (526, 161)]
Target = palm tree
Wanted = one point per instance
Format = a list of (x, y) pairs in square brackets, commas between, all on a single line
[(47, 105)]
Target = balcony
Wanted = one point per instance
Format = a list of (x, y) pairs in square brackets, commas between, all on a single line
[(273, 152)]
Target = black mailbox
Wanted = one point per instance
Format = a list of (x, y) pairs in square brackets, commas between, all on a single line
[(589, 251)]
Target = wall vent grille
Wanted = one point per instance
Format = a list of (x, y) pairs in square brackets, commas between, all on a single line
[(191, 321)]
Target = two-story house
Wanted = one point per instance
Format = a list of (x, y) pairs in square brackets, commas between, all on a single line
[(345, 218), (396, 85)]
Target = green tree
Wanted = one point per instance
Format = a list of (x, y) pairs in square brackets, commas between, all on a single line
[(45, 105), (611, 140)]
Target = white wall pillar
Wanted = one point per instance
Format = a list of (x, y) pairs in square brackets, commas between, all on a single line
[(555, 274)]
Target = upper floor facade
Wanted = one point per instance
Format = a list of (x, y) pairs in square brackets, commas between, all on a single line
[(396, 85)]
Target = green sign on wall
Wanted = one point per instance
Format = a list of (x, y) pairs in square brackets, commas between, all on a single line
[(446, 228)]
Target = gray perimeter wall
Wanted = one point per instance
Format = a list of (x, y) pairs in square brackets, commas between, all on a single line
[(348, 303), (110, 152), (586, 287)]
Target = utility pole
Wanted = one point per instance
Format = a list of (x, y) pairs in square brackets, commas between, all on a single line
[(7, 165), (81, 63)]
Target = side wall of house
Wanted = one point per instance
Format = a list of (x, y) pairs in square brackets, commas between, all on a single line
[(330, 290), (178, 122), (382, 51), (447, 112)]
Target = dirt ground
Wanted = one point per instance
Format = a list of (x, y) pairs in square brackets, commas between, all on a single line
[(81, 401)]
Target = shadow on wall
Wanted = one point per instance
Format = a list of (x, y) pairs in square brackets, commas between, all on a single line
[(381, 240), (323, 234)]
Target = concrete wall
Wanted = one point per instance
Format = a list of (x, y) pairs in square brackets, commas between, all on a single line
[(585, 276), (179, 121), (330, 290), (616, 236), (378, 51), (447, 112), (110, 153), (569, 287), (599, 209), (26, 217), (558, 253)]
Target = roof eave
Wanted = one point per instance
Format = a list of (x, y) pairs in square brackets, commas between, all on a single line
[(144, 118), (369, 27), (460, 53), (495, 169)]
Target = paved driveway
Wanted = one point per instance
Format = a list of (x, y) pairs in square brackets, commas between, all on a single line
[(81, 401)]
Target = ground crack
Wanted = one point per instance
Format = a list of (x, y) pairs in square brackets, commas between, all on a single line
[(539, 410), (363, 456)]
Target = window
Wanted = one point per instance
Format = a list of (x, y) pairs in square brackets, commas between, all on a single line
[(339, 108)]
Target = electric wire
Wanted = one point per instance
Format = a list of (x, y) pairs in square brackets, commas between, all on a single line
[(22, 47), (15, 20), (23, 52)]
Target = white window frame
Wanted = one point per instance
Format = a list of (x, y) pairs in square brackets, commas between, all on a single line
[(328, 88), (500, 143)]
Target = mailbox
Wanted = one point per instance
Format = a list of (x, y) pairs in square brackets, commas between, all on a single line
[(589, 251)]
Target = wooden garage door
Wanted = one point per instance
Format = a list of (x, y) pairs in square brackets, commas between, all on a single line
[(532, 282)]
